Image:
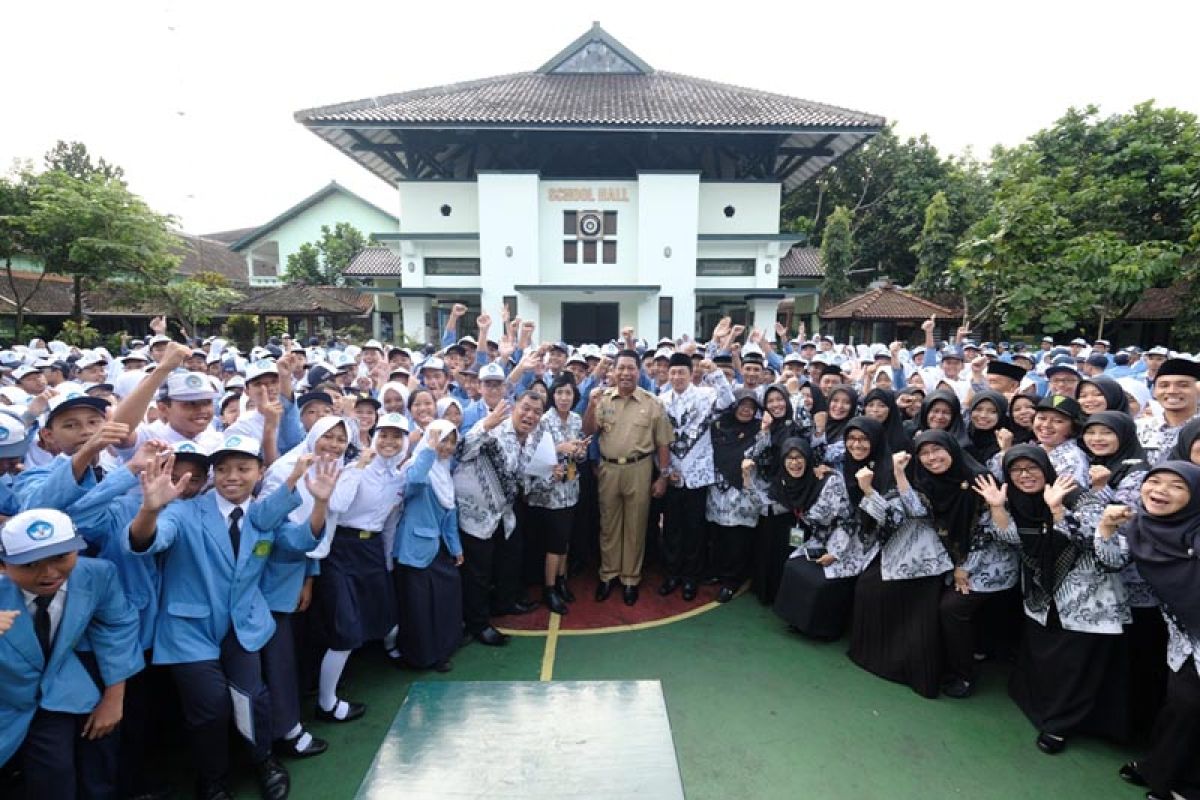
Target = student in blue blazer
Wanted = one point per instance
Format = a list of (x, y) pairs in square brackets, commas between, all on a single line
[(59, 706), (213, 618), (428, 553)]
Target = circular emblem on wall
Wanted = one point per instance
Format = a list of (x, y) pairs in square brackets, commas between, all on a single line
[(591, 225)]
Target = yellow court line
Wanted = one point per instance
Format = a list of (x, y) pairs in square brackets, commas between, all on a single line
[(634, 626), (551, 647)]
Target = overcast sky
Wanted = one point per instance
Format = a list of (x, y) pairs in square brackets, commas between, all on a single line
[(194, 98)]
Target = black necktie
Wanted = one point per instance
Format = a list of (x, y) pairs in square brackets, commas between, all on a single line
[(235, 533), (41, 622)]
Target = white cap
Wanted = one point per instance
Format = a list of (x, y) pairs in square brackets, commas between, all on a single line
[(23, 370), (14, 394), (135, 355), (433, 362), (236, 382), (244, 445), (71, 395), (189, 386), (394, 420), (187, 446), (399, 369), (12, 430), (491, 372), (90, 360), (373, 344), (36, 534), (158, 338), (260, 367)]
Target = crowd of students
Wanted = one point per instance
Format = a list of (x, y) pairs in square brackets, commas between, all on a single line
[(227, 528)]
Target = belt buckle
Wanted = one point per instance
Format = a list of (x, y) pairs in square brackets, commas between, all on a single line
[(364, 534), (622, 460)]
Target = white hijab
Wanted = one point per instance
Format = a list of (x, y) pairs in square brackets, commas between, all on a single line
[(439, 474), (283, 466)]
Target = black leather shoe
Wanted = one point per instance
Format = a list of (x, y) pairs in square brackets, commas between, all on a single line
[(442, 666), (669, 586), (273, 780), (553, 600), (604, 589), (725, 595), (1131, 774), (1050, 744), (631, 595), (957, 688), (689, 591), (356, 711), (290, 748), (491, 637), (213, 790), (560, 585), (517, 608)]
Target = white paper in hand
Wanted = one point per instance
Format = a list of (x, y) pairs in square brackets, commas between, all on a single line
[(243, 715), (544, 459)]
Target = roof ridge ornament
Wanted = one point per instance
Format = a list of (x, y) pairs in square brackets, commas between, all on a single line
[(596, 52)]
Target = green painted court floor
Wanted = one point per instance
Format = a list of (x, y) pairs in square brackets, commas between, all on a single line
[(758, 712)]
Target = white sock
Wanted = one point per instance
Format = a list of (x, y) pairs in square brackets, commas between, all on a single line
[(389, 641), (331, 672), (294, 732)]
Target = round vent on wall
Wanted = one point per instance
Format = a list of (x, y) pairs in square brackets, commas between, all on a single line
[(590, 225)]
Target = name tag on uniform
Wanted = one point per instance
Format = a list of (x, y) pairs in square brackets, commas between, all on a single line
[(262, 548), (364, 534), (796, 536)]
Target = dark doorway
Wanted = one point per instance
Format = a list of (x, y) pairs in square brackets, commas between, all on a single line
[(589, 322)]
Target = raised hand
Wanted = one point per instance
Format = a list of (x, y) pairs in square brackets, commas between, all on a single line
[(157, 488), (38, 403), (1112, 519), (994, 494), (458, 310), (1055, 493), (864, 477), (365, 457), (1098, 476), (901, 460), (174, 356), (767, 419), (721, 329), (158, 324), (272, 412), (1004, 438), (497, 415), (780, 331), (149, 451), (299, 468), (7, 618), (929, 324), (737, 331), (321, 485), (483, 322), (108, 434)]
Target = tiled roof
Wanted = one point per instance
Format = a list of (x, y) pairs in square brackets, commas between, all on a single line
[(887, 303), (802, 262), (201, 254), (1158, 304), (659, 99), (300, 299), (375, 262), (55, 294), (228, 237)]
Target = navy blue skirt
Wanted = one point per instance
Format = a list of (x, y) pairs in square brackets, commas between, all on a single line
[(358, 600)]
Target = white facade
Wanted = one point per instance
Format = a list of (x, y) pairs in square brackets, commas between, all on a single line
[(668, 226)]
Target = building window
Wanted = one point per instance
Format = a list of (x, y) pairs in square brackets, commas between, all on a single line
[(510, 300), (443, 267), (591, 237), (725, 267), (666, 310)]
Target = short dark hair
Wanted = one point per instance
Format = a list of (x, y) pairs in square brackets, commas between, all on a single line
[(628, 354), (565, 379), (532, 395)]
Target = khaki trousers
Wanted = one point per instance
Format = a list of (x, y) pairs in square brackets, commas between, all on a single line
[(624, 495)]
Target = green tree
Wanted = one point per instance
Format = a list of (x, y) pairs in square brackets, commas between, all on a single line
[(886, 186), (1086, 216), (95, 229), (74, 159), (837, 253), (935, 249), (322, 263), (14, 241)]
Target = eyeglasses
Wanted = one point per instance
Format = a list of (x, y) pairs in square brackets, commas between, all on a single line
[(1030, 470), (795, 457)]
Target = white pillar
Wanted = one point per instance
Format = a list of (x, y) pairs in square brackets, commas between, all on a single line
[(762, 314), (413, 311)]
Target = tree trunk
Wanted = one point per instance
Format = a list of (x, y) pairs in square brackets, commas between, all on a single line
[(77, 309), (1100, 330)]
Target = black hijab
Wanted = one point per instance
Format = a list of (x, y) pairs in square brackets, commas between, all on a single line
[(897, 437), (1114, 395), (819, 404), (1129, 457), (879, 460), (984, 444), (1021, 434), (769, 462), (1188, 434), (950, 496), (913, 390), (795, 494), (1165, 551), (1046, 554), (731, 438), (835, 429), (958, 428)]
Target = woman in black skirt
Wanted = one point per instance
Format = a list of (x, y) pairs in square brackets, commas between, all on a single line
[(1070, 670), (1163, 540), (814, 516), (770, 549), (896, 633), (428, 553), (358, 603)]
